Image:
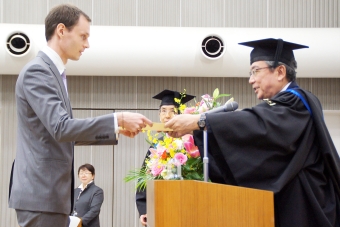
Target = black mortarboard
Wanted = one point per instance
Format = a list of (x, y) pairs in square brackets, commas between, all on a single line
[(167, 97), (272, 50)]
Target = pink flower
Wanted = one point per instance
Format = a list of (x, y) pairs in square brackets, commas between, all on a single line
[(189, 110), (206, 103), (190, 146), (181, 158), (156, 170), (158, 151), (186, 137)]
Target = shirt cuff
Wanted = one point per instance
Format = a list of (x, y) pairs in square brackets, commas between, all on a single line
[(116, 125)]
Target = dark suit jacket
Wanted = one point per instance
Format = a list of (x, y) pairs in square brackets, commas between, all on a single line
[(88, 204), (141, 194), (43, 170)]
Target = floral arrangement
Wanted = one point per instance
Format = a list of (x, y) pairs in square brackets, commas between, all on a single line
[(170, 158), (207, 103), (174, 158)]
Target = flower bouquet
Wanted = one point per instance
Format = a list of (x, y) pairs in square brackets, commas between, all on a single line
[(174, 158), (207, 103), (169, 158)]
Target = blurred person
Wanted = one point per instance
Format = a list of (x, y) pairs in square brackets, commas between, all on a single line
[(88, 197), (167, 110), (42, 179)]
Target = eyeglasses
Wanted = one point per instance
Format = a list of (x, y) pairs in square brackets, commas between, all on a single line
[(166, 112), (254, 71), (85, 173)]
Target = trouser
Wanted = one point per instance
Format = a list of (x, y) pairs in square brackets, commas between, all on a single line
[(41, 219)]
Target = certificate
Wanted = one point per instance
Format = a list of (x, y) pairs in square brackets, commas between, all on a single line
[(157, 127)]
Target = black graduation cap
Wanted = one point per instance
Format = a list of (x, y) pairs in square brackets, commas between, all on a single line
[(167, 97), (272, 50)]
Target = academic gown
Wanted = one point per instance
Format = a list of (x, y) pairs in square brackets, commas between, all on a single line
[(280, 146), (141, 194)]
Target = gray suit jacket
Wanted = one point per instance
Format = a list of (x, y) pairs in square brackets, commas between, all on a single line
[(42, 177)]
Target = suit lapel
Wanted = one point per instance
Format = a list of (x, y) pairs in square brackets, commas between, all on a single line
[(59, 79)]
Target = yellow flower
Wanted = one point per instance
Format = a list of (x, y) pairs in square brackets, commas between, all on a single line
[(167, 140), (182, 107), (177, 100), (172, 152)]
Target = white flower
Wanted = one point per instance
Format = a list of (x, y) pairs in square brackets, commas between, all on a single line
[(179, 144)]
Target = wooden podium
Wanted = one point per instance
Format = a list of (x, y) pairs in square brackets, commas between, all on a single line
[(186, 203)]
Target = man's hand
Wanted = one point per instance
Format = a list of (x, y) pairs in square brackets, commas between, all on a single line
[(143, 219), (182, 124), (127, 133), (132, 123)]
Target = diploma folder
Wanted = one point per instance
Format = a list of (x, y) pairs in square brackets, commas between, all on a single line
[(157, 127)]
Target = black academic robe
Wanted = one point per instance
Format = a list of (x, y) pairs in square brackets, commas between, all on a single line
[(141, 194), (280, 146)]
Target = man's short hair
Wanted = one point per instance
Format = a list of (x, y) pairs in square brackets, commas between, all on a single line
[(290, 69), (66, 14)]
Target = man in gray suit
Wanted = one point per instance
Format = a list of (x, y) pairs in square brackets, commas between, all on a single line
[(42, 177)]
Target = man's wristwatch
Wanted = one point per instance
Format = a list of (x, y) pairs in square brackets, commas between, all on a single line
[(201, 122)]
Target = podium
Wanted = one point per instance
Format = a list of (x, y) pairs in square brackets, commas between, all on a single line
[(186, 203)]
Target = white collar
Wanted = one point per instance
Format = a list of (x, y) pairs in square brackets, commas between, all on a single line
[(81, 185), (55, 58), (285, 87)]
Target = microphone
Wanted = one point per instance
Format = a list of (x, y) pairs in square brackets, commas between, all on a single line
[(227, 107)]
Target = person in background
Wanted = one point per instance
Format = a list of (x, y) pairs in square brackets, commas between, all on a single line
[(42, 178), (281, 145), (167, 110), (88, 197)]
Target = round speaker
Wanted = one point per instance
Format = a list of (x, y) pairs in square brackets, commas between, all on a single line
[(212, 47), (18, 44)]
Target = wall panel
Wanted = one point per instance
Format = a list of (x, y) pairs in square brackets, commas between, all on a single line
[(101, 157), (289, 13), (114, 92), (327, 91), (23, 11), (84, 5), (245, 13), (129, 154), (80, 90), (7, 145), (158, 13), (115, 12), (325, 14), (202, 13), (147, 87), (1, 11)]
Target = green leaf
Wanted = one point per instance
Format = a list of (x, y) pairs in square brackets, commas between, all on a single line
[(222, 95), (216, 93), (149, 142), (140, 176)]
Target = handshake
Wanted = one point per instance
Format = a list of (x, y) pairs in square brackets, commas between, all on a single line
[(130, 124)]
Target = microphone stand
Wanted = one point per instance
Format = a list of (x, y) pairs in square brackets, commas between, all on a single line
[(230, 105), (205, 158)]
